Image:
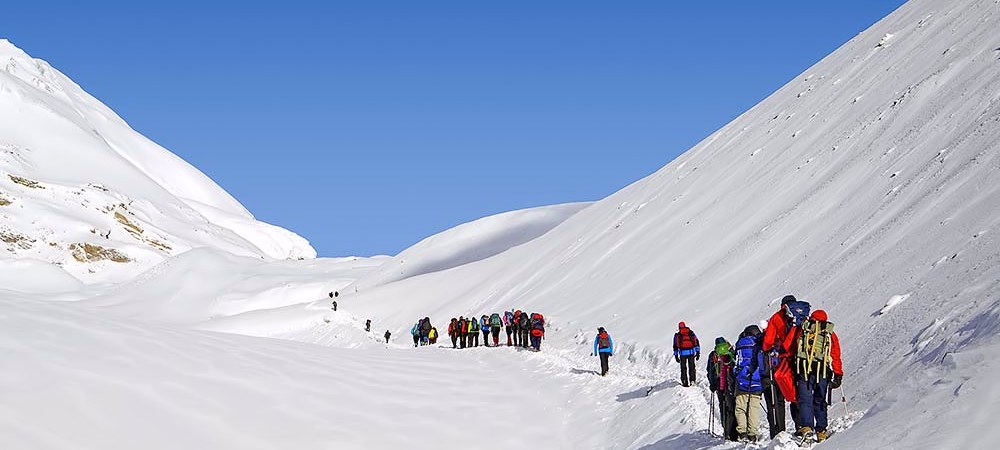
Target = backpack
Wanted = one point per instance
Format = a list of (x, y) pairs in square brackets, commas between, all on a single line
[(508, 318), (796, 312), (495, 320), (686, 341), (749, 365), (432, 334), (603, 341), (474, 327), (813, 350), (426, 325), (522, 322)]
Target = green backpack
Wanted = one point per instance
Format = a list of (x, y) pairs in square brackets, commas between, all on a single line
[(813, 350)]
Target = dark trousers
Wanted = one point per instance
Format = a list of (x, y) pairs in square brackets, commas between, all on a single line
[(604, 362), (517, 337), (687, 370), (727, 413), (509, 330), (524, 338), (416, 340), (811, 395), (463, 340), (775, 402), (454, 341), (486, 338), (473, 339), (496, 337), (536, 342)]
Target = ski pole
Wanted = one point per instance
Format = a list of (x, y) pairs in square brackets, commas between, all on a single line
[(711, 416), (843, 398)]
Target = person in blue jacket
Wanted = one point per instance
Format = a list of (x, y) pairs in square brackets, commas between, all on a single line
[(749, 368), (603, 347)]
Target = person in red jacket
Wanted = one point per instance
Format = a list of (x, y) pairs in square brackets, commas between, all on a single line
[(686, 351), (816, 364), (772, 344)]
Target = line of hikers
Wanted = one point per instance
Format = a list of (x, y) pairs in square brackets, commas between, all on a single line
[(523, 330), (795, 358), (423, 333)]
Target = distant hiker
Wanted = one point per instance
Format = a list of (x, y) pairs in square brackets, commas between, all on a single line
[(425, 330), (387, 334), (537, 330), (463, 331), (749, 387), (722, 382), (508, 324), (432, 336), (368, 325), (782, 386), (484, 325), (334, 305), (336, 294), (473, 332), (453, 332), (686, 351), (524, 324), (415, 331), (495, 324), (516, 325), (817, 368), (603, 347)]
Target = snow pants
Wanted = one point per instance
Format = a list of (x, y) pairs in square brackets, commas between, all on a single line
[(727, 414), (775, 402), (486, 338), (463, 340), (811, 395), (473, 339), (747, 413), (524, 337), (604, 362), (454, 341), (496, 337), (687, 370), (416, 340), (536, 343), (509, 330)]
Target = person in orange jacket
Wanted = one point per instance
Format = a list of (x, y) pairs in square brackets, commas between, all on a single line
[(777, 328), (815, 357)]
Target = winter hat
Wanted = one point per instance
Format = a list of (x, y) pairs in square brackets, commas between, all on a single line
[(719, 340), (787, 299), (600, 329), (751, 330), (681, 325), (819, 315)]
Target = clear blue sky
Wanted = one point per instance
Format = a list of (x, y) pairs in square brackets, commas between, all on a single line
[(366, 126)]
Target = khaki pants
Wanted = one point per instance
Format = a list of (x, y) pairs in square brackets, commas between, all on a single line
[(747, 413)]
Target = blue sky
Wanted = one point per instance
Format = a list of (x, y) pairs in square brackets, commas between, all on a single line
[(367, 126)]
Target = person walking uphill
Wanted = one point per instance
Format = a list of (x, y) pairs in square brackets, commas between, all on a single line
[(686, 351), (508, 322), (463, 332), (415, 332), (749, 386), (453, 332), (723, 384), (603, 347), (484, 325), (473, 332), (495, 324), (524, 324), (817, 368), (778, 326)]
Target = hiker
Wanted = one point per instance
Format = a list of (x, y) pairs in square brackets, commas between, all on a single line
[(387, 334), (334, 295), (368, 325), (335, 305), (524, 324), (453, 332), (516, 325), (425, 331), (749, 363), (415, 331), (432, 336), (537, 330), (603, 347), (782, 386), (816, 365), (722, 382), (686, 351), (495, 324), (473, 332), (508, 324), (463, 331), (484, 325)]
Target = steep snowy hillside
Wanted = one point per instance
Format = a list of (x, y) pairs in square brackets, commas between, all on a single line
[(79, 188)]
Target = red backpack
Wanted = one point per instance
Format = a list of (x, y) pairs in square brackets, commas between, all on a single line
[(686, 340)]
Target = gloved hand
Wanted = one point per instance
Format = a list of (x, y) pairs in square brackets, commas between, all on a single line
[(610, 355), (697, 356), (677, 358), (835, 382)]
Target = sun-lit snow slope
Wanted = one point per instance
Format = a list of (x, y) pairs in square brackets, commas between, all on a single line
[(470, 242), (74, 379), (872, 178), (80, 188)]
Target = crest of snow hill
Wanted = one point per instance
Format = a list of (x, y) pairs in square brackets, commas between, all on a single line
[(80, 189), (869, 186)]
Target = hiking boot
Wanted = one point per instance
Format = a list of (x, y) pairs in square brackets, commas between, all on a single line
[(822, 435), (804, 432)]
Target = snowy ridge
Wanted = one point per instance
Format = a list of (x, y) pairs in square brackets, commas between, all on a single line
[(81, 189)]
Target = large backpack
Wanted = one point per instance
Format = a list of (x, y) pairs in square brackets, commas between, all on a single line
[(748, 365), (603, 341), (508, 318), (496, 321), (796, 312), (686, 340), (522, 322), (474, 328), (812, 352), (426, 325), (537, 325)]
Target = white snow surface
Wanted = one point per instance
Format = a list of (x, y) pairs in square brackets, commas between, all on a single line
[(874, 173), (72, 173)]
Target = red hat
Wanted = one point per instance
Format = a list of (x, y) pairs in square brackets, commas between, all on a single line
[(681, 325), (819, 315)]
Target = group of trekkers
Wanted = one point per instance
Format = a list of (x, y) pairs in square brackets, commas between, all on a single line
[(523, 330), (796, 358), (423, 333)]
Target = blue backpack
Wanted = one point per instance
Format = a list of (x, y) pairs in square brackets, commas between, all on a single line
[(749, 365), (796, 312)]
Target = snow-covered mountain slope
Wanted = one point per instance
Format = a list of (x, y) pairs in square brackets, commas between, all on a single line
[(81, 189)]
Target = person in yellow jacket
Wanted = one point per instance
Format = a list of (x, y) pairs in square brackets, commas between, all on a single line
[(432, 335)]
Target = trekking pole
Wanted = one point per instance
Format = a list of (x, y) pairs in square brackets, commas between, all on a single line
[(843, 399), (711, 416)]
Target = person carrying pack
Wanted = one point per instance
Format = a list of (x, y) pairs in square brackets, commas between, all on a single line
[(432, 336), (463, 331), (453, 332), (508, 324), (782, 387), (496, 323), (686, 351), (415, 331), (425, 331), (603, 347), (749, 363), (722, 382), (817, 367), (484, 326), (524, 326), (387, 334), (473, 332), (537, 330)]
